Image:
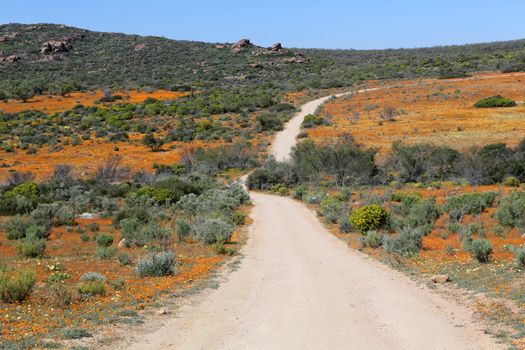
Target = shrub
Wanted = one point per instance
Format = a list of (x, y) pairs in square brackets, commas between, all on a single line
[(331, 208), (61, 294), (93, 227), (76, 333), (105, 252), (183, 229), (422, 214), (104, 240), (211, 230), (26, 189), (495, 101), (124, 259), (481, 250), (311, 121), (519, 257), (406, 242), (92, 288), (18, 287), (372, 239), (511, 210), (161, 264), (469, 203), (31, 247), (511, 181), (93, 277), (16, 227), (368, 218), (141, 234)]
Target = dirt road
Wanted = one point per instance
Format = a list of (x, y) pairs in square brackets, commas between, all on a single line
[(299, 287)]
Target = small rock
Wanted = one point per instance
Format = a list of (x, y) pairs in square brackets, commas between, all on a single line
[(439, 278), (240, 45), (162, 312), (123, 243), (88, 216)]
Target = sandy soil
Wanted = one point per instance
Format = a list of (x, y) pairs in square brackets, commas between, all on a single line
[(299, 287)]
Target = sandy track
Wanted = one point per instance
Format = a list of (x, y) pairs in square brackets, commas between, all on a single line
[(299, 287)]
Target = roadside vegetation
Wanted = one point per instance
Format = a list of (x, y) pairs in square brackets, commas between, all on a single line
[(81, 252), (427, 210)]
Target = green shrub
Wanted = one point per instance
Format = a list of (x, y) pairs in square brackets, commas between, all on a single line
[(368, 218), (495, 101), (331, 208), (161, 264), (31, 247), (311, 121), (511, 181), (26, 189), (183, 229), (91, 288), (93, 227), (372, 239), (93, 277), (469, 203), (18, 287), (519, 257), (480, 249), (61, 294), (406, 242), (141, 234), (124, 259), (422, 214), (75, 333), (211, 230), (511, 210), (103, 252), (159, 194), (104, 240), (280, 189), (16, 227)]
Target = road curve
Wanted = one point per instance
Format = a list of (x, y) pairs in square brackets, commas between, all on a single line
[(299, 287)]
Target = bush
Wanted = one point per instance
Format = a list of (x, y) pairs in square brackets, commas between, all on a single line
[(18, 287), (161, 264), (61, 294), (519, 257), (480, 249), (331, 208), (372, 239), (183, 229), (511, 210), (104, 240), (31, 247), (311, 121), (26, 189), (93, 277), (76, 333), (368, 218), (511, 181), (124, 259), (210, 230), (495, 101), (406, 242), (91, 288), (16, 227), (469, 203), (421, 214), (105, 252), (141, 234)]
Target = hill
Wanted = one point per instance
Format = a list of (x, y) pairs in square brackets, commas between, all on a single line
[(55, 58)]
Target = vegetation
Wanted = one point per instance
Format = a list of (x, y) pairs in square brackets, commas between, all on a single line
[(160, 264), (495, 101), (16, 288), (368, 218)]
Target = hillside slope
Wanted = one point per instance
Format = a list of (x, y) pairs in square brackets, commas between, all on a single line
[(88, 59)]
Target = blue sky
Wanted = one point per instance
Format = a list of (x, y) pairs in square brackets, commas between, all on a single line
[(324, 24)]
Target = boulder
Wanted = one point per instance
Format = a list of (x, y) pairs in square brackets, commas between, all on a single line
[(276, 47), (10, 58), (240, 45), (439, 278)]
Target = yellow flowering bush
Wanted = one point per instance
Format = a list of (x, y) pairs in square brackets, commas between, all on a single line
[(367, 218)]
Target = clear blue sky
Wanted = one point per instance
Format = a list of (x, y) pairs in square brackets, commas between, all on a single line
[(296, 23)]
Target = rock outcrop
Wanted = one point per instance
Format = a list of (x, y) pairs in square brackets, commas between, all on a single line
[(60, 45), (10, 59), (240, 45)]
